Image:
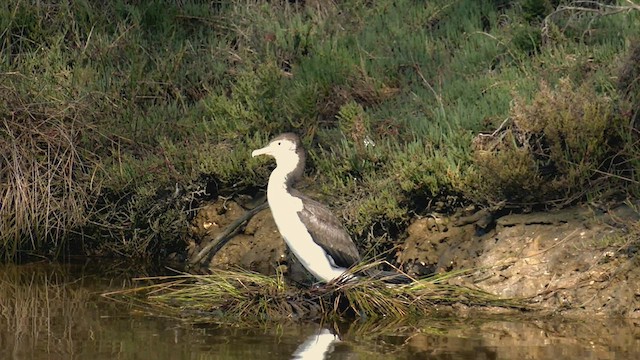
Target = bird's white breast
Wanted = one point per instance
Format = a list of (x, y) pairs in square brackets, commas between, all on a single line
[(285, 209)]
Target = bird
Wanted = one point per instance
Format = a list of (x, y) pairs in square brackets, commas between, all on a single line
[(312, 232)]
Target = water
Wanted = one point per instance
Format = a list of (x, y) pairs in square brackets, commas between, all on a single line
[(56, 312)]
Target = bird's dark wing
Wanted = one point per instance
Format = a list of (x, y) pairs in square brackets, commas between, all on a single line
[(328, 232)]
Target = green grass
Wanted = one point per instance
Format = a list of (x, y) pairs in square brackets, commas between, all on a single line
[(239, 296), (157, 102)]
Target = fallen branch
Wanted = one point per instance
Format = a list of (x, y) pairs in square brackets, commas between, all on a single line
[(216, 244), (589, 6)]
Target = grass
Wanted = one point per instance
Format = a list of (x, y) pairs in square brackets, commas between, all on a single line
[(133, 114), (238, 295)]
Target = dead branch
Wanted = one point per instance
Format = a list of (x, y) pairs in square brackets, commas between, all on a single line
[(588, 6), (216, 244)]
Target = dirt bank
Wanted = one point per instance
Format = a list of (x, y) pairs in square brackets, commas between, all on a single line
[(574, 261), (579, 261)]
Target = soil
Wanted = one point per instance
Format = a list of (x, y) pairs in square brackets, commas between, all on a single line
[(574, 261), (578, 261), (258, 247)]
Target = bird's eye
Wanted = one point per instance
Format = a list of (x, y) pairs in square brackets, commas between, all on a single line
[(279, 142)]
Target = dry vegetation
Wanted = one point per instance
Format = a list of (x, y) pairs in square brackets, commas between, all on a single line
[(119, 119), (49, 183), (562, 146), (235, 296)]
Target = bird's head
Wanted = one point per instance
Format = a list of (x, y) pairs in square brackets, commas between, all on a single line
[(288, 151), (281, 147)]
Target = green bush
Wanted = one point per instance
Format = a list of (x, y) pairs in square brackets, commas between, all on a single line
[(557, 149), (629, 83)]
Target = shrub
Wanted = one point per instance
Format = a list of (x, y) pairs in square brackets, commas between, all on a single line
[(629, 82), (557, 149)]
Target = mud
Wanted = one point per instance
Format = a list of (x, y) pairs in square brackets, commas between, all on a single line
[(258, 247), (577, 261)]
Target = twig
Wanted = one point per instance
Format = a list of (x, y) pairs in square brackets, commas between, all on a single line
[(496, 131), (583, 6), (416, 67)]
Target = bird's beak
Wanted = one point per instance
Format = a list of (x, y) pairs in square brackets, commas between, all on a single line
[(262, 151)]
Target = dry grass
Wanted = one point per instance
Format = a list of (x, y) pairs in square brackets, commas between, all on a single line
[(47, 182), (238, 295)]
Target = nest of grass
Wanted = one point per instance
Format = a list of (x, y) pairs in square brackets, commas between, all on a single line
[(239, 295)]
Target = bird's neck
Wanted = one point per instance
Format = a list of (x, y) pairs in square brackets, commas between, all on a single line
[(288, 171), (281, 181)]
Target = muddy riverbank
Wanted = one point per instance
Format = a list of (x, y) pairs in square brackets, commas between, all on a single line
[(577, 261)]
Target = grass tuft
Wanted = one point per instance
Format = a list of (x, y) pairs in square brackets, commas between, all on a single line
[(238, 295), (49, 181)]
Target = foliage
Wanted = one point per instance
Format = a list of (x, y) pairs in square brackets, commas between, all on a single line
[(563, 145), (536, 10), (629, 82), (155, 107)]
